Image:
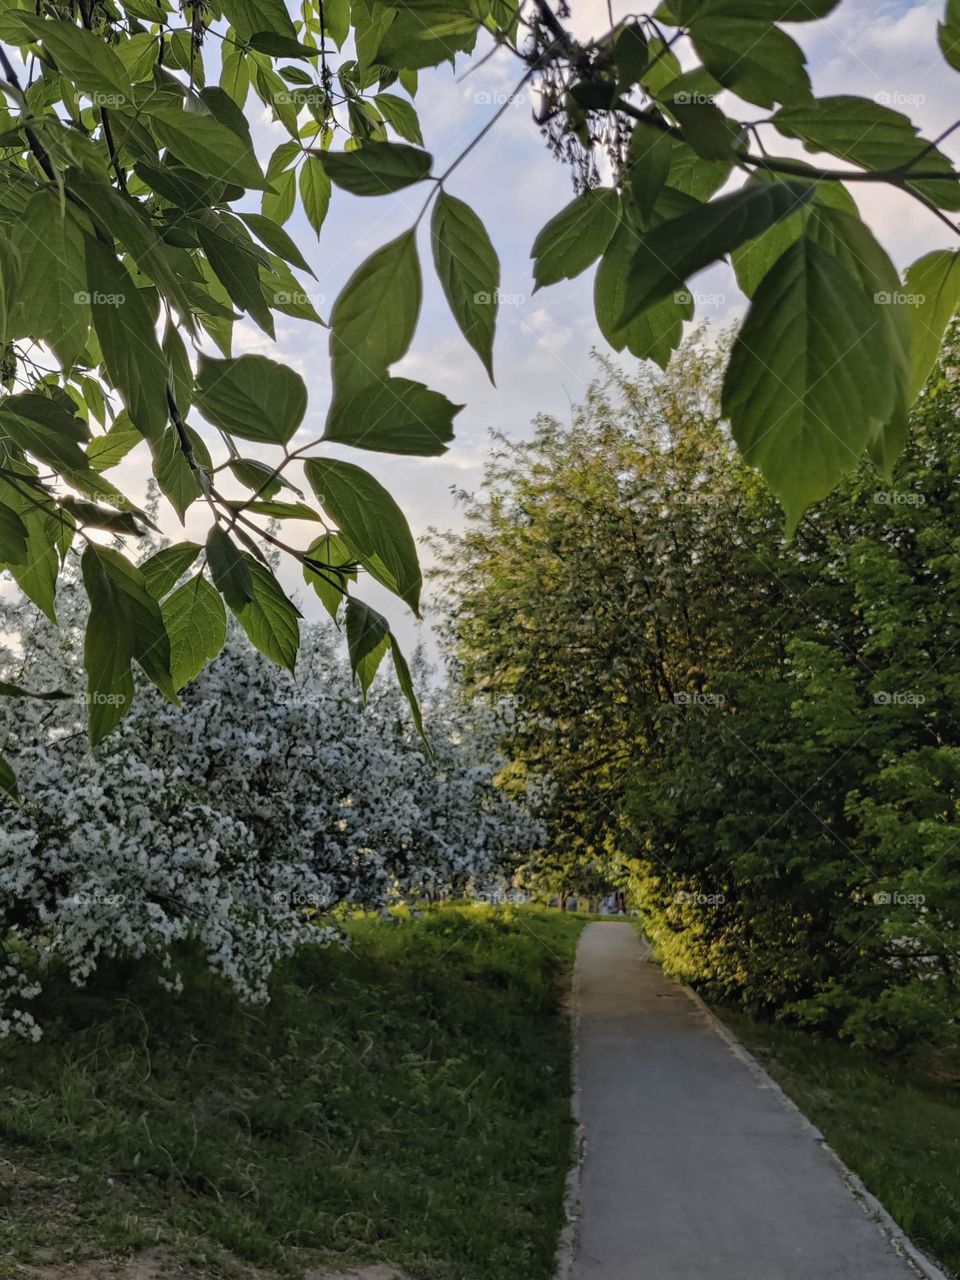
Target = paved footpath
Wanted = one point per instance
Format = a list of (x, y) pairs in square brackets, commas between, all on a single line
[(695, 1169)]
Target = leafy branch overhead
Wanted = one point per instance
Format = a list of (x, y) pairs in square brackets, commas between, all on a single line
[(129, 246)]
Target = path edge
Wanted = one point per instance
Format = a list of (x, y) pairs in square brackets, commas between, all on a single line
[(872, 1207), (567, 1241)]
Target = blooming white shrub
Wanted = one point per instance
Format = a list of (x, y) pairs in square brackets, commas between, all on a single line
[(236, 820)]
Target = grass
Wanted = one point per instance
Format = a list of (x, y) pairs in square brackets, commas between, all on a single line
[(404, 1100), (895, 1124)]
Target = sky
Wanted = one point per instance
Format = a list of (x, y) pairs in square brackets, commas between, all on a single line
[(543, 363)]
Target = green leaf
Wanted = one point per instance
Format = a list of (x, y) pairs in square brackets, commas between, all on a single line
[(132, 357), (250, 16), (207, 145), (229, 569), (178, 480), (424, 34), (376, 168), (252, 397), (124, 623), (41, 427), (13, 537), (196, 623), (469, 272), (648, 164), (873, 137), (933, 282), (336, 17), (36, 575), (753, 260), (10, 275), (8, 690), (82, 56), (124, 219), (575, 237), (90, 515), (394, 415), (164, 569), (8, 781), (332, 567), (405, 682), (371, 522), (368, 635), (653, 334), (401, 116), (665, 257), (257, 476), (801, 389), (50, 242), (712, 135), (107, 450), (235, 266), (755, 59), (314, 191), (276, 239), (631, 54), (948, 33), (375, 315), (270, 619), (280, 203)]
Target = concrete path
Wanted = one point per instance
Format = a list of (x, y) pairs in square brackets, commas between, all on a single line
[(695, 1169)]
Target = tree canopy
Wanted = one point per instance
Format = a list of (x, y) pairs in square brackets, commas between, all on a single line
[(759, 737), (129, 246)]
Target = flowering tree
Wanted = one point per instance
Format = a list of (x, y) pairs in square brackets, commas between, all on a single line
[(236, 821)]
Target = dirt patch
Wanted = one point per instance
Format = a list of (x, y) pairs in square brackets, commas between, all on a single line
[(151, 1264)]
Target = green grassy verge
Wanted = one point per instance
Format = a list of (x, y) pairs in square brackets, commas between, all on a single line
[(405, 1101), (896, 1125)]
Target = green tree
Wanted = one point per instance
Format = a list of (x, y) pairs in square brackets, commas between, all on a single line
[(125, 240), (776, 721)]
